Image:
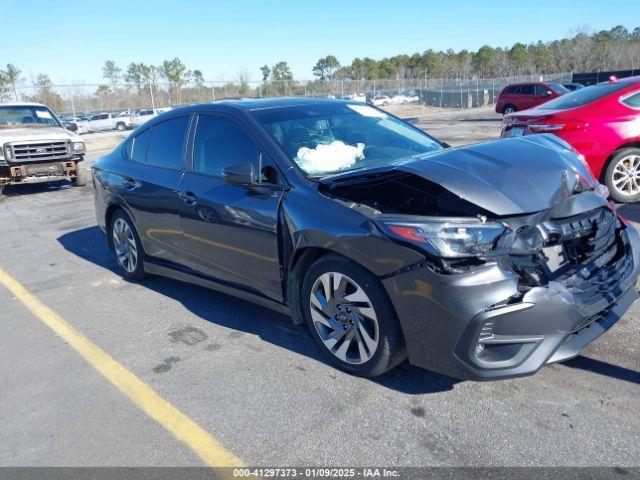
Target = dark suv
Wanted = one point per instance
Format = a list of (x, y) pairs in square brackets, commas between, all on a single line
[(522, 96), (482, 262)]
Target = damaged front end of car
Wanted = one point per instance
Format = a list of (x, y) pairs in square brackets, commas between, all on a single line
[(503, 289)]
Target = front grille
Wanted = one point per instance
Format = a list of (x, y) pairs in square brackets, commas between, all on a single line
[(40, 151), (600, 261)]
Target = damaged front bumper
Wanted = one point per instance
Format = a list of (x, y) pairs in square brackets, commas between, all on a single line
[(481, 325), (13, 174)]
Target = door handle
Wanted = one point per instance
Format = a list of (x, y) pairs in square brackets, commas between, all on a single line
[(128, 183), (188, 197)]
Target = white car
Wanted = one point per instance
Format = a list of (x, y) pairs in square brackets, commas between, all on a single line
[(147, 114), (81, 125), (101, 122), (381, 101)]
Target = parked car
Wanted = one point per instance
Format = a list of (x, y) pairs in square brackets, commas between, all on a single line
[(35, 147), (479, 262), (573, 86), (109, 121), (76, 124), (381, 100), (147, 114), (602, 122), (522, 96)]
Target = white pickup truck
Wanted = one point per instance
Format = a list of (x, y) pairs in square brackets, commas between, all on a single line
[(101, 122), (147, 114), (35, 147)]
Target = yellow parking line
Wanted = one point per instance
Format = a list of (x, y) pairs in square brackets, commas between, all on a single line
[(212, 452)]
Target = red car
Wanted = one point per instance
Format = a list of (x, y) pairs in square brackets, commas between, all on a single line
[(601, 122), (522, 96)]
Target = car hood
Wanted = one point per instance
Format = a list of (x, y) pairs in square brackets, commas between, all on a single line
[(506, 177), (35, 133)]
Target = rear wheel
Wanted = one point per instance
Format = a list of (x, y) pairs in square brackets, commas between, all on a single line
[(622, 176), (508, 109), (127, 246), (351, 318)]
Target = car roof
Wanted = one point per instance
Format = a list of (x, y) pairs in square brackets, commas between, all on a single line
[(22, 104), (249, 104)]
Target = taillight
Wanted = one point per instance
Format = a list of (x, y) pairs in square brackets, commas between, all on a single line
[(558, 125)]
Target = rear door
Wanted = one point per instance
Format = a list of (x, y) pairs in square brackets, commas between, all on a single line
[(526, 96), (230, 230), (149, 186)]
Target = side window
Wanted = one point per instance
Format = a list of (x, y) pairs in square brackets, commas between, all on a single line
[(166, 148), (526, 89), (541, 90), (512, 89), (140, 143), (633, 101), (221, 142)]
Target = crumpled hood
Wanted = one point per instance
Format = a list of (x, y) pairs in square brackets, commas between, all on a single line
[(506, 177), (36, 133)]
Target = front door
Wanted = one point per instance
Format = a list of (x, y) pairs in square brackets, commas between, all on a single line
[(230, 231)]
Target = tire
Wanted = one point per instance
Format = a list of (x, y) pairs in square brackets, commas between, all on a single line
[(130, 261), (508, 109), (368, 356), (81, 175), (622, 176), (121, 127)]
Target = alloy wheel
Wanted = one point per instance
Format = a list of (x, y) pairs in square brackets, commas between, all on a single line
[(125, 245), (344, 318), (626, 176)]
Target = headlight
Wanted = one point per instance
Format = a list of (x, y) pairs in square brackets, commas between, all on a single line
[(78, 147), (449, 238)]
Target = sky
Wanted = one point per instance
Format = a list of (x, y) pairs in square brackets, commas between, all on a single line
[(71, 40)]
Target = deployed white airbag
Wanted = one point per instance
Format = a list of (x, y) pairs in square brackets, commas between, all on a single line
[(335, 156)]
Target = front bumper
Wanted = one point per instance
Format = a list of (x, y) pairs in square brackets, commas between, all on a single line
[(467, 326), (39, 172)]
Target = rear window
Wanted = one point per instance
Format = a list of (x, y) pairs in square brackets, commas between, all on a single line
[(586, 95)]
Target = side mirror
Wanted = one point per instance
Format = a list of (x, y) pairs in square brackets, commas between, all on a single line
[(72, 127), (240, 173), (549, 92)]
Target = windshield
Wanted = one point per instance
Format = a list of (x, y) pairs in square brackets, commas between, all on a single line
[(26, 116), (580, 97), (556, 87), (332, 138)]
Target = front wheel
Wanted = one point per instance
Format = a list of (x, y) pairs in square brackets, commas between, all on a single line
[(127, 246), (508, 110), (622, 176), (81, 176), (351, 318), (121, 127)]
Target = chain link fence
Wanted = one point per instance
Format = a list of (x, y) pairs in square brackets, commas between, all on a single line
[(434, 93)]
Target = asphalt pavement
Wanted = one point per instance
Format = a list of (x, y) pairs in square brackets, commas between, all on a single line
[(257, 383)]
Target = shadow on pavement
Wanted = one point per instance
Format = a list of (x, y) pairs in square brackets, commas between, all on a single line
[(228, 311), (34, 188), (603, 368)]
